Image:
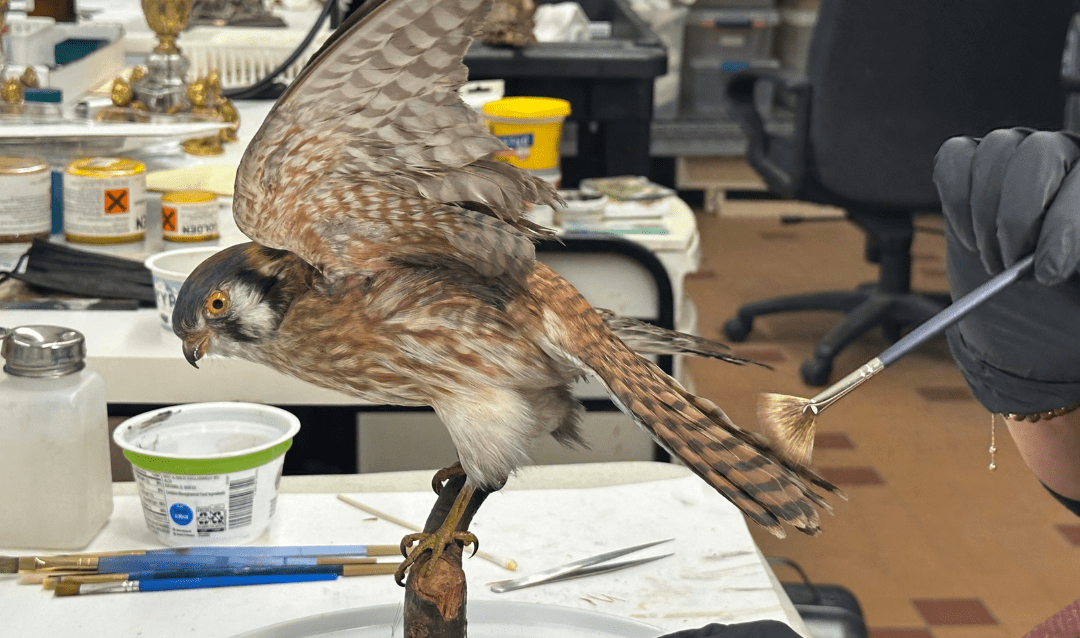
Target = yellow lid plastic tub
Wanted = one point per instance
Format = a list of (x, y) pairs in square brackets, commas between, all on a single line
[(531, 128)]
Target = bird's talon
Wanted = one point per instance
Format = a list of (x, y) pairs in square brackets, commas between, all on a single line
[(444, 475), (408, 541), (436, 544)]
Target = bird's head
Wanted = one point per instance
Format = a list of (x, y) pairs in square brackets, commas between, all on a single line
[(236, 299)]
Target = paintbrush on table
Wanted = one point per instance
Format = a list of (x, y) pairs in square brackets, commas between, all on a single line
[(169, 584), (791, 420), (344, 565), (349, 569), (186, 557)]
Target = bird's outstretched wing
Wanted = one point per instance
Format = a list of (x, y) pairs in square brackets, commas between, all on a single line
[(371, 157)]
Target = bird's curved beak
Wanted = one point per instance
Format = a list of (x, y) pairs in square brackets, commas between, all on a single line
[(195, 348)]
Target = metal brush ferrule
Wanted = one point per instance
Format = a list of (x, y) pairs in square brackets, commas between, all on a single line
[(122, 587), (836, 391)]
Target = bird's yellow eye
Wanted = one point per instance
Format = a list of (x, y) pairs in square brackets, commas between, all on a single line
[(217, 303)]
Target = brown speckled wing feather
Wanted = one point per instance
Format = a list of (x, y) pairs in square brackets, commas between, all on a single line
[(372, 145)]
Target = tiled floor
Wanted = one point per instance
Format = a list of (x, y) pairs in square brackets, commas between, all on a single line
[(932, 542)]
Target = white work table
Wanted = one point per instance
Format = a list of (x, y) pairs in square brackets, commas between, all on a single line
[(546, 516)]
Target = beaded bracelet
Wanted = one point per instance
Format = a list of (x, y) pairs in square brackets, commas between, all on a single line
[(1044, 416)]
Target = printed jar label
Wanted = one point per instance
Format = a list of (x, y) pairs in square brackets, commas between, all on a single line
[(209, 507), (25, 203), (189, 221), (520, 146), (104, 208)]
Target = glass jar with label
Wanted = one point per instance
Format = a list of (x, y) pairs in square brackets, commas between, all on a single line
[(25, 199), (189, 216), (105, 201), (43, 105)]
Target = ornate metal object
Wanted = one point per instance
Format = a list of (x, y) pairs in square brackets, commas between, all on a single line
[(233, 13), (164, 88)]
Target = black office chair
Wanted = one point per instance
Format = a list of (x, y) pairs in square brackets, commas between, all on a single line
[(886, 84)]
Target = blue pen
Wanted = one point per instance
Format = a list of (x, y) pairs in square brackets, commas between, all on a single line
[(168, 584)]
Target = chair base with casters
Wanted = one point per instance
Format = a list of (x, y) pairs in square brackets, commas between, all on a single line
[(888, 303)]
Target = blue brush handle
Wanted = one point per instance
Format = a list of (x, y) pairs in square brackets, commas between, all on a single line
[(955, 311), (247, 570), (166, 584), (177, 562), (249, 550)]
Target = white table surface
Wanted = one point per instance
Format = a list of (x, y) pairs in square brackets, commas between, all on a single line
[(546, 516)]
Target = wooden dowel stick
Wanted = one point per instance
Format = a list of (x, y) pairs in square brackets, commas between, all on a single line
[(505, 563)]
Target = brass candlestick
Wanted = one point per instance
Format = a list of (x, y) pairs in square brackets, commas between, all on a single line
[(164, 89)]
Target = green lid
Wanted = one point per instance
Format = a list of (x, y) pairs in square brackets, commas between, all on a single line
[(48, 96)]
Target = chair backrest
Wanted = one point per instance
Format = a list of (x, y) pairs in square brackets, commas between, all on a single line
[(892, 80)]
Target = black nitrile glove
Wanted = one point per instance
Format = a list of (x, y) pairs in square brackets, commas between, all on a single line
[(756, 629), (1006, 196)]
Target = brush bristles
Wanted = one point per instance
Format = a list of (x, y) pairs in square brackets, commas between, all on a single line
[(790, 425), (67, 589)]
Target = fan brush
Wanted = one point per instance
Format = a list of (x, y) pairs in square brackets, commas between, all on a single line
[(791, 420)]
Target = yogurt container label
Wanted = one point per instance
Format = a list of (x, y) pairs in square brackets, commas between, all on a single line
[(233, 506)]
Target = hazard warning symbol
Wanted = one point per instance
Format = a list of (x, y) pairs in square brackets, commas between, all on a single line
[(116, 201), (168, 219)]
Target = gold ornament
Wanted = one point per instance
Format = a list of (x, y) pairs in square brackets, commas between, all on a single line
[(223, 107), (29, 78), (198, 94), (121, 93), (229, 114), (11, 92), (167, 18)]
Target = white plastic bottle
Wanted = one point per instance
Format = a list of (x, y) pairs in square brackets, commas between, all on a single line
[(55, 474)]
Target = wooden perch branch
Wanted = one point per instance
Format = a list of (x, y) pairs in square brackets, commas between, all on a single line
[(435, 604)]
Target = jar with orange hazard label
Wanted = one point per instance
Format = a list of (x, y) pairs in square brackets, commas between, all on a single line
[(105, 200), (189, 216)]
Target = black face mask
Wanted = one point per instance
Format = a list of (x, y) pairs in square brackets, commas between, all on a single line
[(55, 268)]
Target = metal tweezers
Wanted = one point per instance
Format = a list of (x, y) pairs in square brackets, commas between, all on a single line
[(579, 568)]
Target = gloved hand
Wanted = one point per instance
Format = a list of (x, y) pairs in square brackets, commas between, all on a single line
[(1005, 196), (756, 629)]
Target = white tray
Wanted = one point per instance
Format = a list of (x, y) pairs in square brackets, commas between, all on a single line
[(486, 619)]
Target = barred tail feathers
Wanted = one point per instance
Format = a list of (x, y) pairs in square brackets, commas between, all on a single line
[(731, 460), (738, 464)]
